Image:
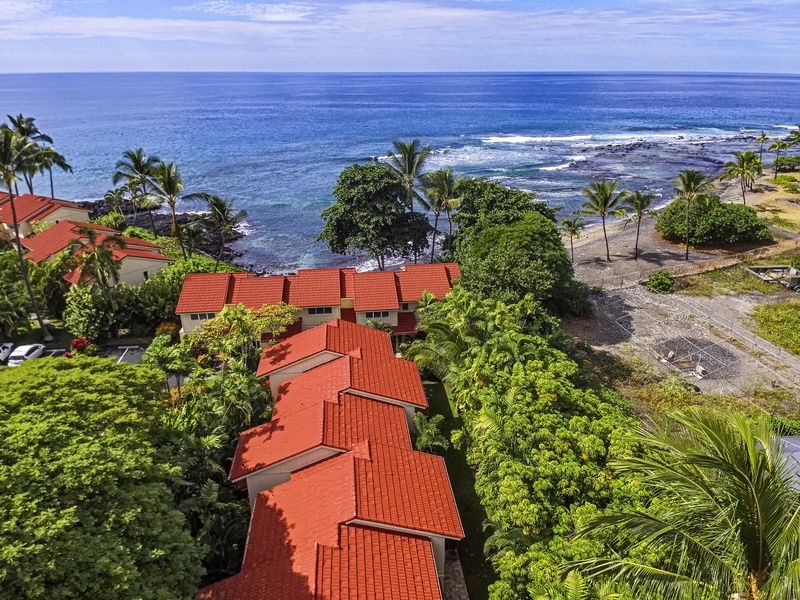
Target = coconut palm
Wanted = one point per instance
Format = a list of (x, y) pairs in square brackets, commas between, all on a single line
[(408, 163), (39, 157), (115, 198), (223, 218), (441, 188), (762, 139), (193, 234), (44, 159), (724, 514), (96, 257), (602, 200), (165, 179), (572, 228), (745, 168), (778, 145), (793, 138), (13, 149), (135, 168), (639, 204), (688, 185)]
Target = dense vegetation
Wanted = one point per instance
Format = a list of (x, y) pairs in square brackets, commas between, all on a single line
[(712, 221), (780, 324)]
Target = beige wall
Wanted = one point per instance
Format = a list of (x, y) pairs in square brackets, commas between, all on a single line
[(66, 213), (311, 321), (361, 318), (301, 366), (282, 472), (132, 269), (189, 325)]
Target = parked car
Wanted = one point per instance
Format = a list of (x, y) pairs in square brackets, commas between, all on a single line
[(5, 351), (23, 353)]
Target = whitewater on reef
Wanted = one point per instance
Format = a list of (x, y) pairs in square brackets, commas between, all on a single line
[(275, 143)]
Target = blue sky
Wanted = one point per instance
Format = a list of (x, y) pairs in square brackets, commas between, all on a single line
[(400, 35)]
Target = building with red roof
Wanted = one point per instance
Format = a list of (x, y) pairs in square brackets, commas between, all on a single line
[(322, 295), (308, 349), (138, 259), (31, 208), (369, 523)]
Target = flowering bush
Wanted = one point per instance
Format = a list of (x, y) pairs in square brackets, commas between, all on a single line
[(82, 345)]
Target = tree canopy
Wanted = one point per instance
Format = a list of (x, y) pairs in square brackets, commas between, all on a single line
[(85, 500)]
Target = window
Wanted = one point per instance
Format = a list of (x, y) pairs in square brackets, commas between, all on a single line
[(201, 316), (321, 310), (404, 306), (194, 316), (379, 314)]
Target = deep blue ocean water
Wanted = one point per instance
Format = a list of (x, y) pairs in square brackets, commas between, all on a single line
[(275, 143)]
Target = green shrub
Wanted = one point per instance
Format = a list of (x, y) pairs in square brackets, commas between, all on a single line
[(139, 232), (661, 283), (779, 323), (88, 313), (787, 163), (783, 180), (712, 222), (113, 219)]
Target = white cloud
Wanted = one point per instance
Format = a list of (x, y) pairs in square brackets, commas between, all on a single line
[(23, 10), (256, 11)]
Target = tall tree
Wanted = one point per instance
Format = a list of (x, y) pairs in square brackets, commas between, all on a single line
[(408, 162), (27, 128), (168, 186), (745, 168), (13, 148), (369, 215), (723, 519), (639, 204), (602, 200), (442, 191), (44, 159), (778, 145), (135, 169), (762, 139), (688, 185), (223, 219), (572, 228)]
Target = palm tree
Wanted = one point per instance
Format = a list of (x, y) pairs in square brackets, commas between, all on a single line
[(762, 139), (724, 514), (115, 198), (572, 228), (135, 169), (639, 204), (688, 185), (601, 200), (26, 127), (222, 217), (793, 138), (168, 187), (97, 258), (408, 163), (13, 149), (45, 159), (193, 234), (442, 191), (746, 166), (778, 145)]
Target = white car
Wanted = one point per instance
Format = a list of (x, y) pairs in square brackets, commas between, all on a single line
[(5, 350), (23, 353)]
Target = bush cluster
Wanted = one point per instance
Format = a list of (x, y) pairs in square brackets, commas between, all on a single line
[(661, 283), (712, 221)]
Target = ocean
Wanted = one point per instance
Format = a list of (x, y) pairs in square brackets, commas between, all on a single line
[(275, 143)]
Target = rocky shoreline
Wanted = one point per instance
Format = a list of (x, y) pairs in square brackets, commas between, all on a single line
[(162, 221)]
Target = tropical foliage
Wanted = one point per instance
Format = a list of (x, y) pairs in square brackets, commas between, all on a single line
[(745, 168), (603, 200)]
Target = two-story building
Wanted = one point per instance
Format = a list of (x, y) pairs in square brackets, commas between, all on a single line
[(321, 295), (30, 209)]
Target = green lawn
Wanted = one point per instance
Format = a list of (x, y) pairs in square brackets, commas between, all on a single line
[(780, 324), (478, 573)]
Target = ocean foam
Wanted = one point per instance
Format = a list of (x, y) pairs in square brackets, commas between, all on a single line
[(527, 139), (556, 167)]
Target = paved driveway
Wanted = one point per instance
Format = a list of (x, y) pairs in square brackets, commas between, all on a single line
[(129, 354)]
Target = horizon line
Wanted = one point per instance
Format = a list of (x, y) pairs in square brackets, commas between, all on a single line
[(465, 72)]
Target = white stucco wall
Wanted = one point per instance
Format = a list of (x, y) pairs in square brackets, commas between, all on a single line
[(280, 473), (301, 366), (311, 321), (65, 213), (132, 269)]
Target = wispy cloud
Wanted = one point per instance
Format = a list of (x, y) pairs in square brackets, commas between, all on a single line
[(256, 11), (23, 10)]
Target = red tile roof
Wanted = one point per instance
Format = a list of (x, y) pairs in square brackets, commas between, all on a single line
[(413, 280), (203, 292), (336, 336), (255, 292), (375, 291), (315, 287), (30, 208), (393, 379), (301, 423)]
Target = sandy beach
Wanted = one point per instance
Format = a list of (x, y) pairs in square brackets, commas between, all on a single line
[(657, 253)]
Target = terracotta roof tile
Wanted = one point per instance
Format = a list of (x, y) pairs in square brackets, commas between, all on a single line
[(413, 280), (255, 292), (301, 422), (315, 287), (336, 336), (203, 292), (375, 291), (30, 207)]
